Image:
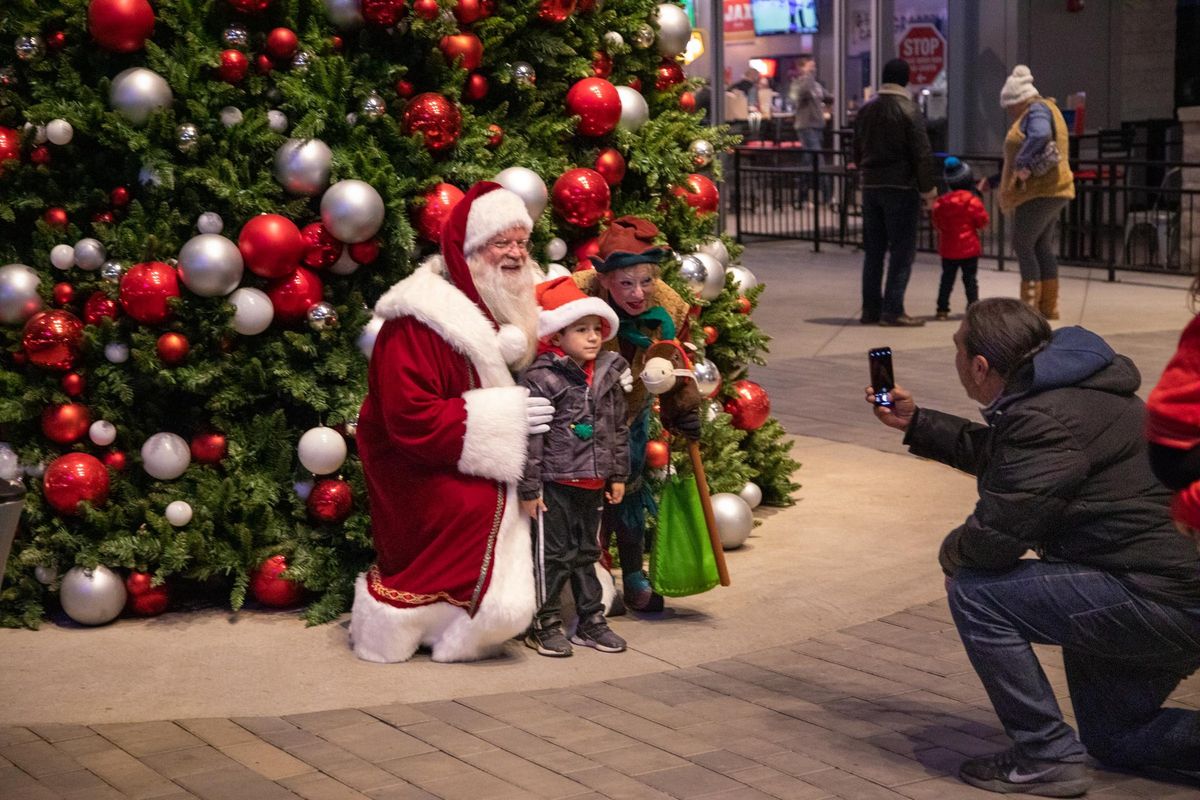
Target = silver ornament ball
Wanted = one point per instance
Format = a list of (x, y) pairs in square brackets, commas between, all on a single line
[(62, 256), (149, 176), (30, 48), (230, 116), (716, 248), (116, 352), (111, 272), (556, 249), (694, 272), (526, 184), (210, 222), (643, 37), (210, 265), (714, 281), (634, 111), (301, 60), (92, 596), (702, 152), (252, 311), (187, 137), (524, 74), (45, 574), (674, 30), (235, 36), (352, 211), (708, 377), (344, 14), (89, 254), (373, 107), (302, 166), (136, 93), (613, 41), (321, 317), (743, 279), (277, 121), (59, 132), (734, 519), (751, 494), (19, 298), (345, 265), (166, 456)]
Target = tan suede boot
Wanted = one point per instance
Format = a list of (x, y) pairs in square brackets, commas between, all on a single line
[(1031, 293), (1048, 302)]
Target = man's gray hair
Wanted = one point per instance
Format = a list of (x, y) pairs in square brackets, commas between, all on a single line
[(1005, 331)]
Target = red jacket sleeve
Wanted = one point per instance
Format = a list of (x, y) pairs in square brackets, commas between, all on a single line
[(979, 213)]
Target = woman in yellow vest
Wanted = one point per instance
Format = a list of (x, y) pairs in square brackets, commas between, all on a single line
[(1035, 185)]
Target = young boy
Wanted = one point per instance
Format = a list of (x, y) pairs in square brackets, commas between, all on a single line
[(570, 467), (958, 215)]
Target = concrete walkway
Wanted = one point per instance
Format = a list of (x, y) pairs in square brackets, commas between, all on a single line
[(828, 669)]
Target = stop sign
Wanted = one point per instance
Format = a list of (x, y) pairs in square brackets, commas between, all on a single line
[(923, 47)]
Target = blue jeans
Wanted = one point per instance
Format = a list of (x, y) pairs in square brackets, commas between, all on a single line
[(1123, 653), (813, 140), (890, 218)]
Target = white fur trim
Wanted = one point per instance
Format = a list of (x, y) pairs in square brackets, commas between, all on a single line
[(555, 319), (1018, 87), (494, 213), (431, 299), (384, 633), (513, 343), (497, 433)]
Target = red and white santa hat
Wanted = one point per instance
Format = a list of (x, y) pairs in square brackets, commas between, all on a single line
[(562, 303), (494, 213)]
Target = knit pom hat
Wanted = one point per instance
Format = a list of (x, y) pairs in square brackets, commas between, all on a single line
[(957, 173), (563, 303), (492, 214), (626, 242), (1018, 87)]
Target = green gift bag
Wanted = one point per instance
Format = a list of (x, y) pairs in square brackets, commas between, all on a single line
[(682, 561)]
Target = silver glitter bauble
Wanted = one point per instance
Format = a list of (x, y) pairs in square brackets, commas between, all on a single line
[(19, 298), (344, 14), (301, 60), (708, 377), (702, 152), (89, 254), (230, 116), (734, 519), (92, 596), (527, 185), (62, 256), (352, 119), (166, 456), (523, 73), (210, 222), (743, 279), (352, 211), (674, 30), (236, 36), (30, 48), (634, 111), (187, 137), (277, 121), (149, 176), (321, 316), (751, 494), (643, 37), (59, 132), (136, 93), (111, 272), (693, 272), (556, 249), (715, 248), (373, 107), (302, 166), (613, 41), (210, 265), (714, 282), (116, 352)]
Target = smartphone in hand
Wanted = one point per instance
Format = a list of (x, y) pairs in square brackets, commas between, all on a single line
[(882, 379)]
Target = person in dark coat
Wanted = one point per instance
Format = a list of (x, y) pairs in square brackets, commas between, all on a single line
[(1062, 470)]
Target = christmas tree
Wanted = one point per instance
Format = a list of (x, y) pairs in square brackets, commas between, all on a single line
[(202, 199)]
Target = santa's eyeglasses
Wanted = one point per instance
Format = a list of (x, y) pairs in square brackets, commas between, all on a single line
[(502, 245)]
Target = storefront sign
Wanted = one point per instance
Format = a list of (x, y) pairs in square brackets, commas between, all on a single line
[(739, 22), (923, 47)]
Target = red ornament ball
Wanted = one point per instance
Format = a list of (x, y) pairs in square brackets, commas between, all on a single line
[(320, 248), (100, 306), (336, 42), (172, 348), (742, 305), (596, 102), (250, 6), (658, 454), (555, 11), (465, 46), (750, 406), (700, 193), (495, 135), (119, 197), (55, 41), (52, 339), (66, 423), (209, 447), (426, 9), (669, 74), (687, 102), (583, 252), (269, 588), (234, 66), (10, 146), (581, 196), (263, 63), (468, 11), (365, 252), (611, 165), (291, 296), (634, 83), (711, 334), (122, 26), (114, 460), (72, 479), (476, 87), (436, 118), (602, 64), (55, 217), (40, 155), (73, 384), (143, 599), (404, 88), (330, 501), (64, 293), (271, 245), (282, 43), (103, 217), (145, 289), (439, 202), (384, 13)]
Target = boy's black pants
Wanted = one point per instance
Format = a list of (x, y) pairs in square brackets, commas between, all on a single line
[(566, 546)]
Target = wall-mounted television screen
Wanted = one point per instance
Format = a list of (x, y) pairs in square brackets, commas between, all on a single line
[(784, 16)]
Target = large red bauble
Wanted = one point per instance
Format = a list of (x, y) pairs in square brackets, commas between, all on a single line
[(426, 9), (601, 64), (10, 147), (439, 202), (476, 87), (122, 26), (669, 74), (611, 165), (209, 447), (330, 501), (52, 339), (468, 11), (250, 6), (66, 423), (114, 460), (100, 306), (272, 590), (72, 479), (700, 193), (436, 118), (580, 196), (234, 66), (320, 248), (750, 406), (64, 293), (687, 102), (291, 296), (384, 13), (465, 46), (145, 289), (658, 454), (596, 102), (282, 42), (365, 252), (555, 11), (55, 217), (583, 252), (142, 598), (271, 245), (172, 348)]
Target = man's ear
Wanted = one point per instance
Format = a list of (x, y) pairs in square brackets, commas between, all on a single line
[(979, 369)]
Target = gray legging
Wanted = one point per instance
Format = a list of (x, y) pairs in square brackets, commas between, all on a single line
[(1033, 237)]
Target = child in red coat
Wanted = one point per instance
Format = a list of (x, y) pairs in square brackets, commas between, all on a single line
[(958, 215)]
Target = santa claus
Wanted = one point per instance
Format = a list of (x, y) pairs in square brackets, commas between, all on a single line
[(442, 435)]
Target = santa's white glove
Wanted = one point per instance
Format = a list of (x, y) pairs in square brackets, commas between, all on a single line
[(540, 413), (626, 380)]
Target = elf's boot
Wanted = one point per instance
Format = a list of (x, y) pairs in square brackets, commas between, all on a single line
[(1031, 293), (1048, 302)]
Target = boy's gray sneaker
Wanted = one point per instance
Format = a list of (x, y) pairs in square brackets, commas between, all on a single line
[(598, 635), (549, 642), (1011, 773)]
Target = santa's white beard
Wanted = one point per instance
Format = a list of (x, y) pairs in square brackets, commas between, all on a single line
[(508, 294)]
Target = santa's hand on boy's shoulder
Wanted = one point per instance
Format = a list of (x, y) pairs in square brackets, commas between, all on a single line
[(626, 380)]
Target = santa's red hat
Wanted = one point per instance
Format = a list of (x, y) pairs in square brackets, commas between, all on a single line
[(562, 303)]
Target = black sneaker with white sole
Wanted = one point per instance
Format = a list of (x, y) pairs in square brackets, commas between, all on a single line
[(1011, 773), (550, 642), (598, 635)]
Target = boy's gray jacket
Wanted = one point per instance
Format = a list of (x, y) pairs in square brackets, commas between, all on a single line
[(560, 454)]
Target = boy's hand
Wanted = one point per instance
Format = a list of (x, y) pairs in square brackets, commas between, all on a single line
[(532, 507), (900, 414), (615, 493)]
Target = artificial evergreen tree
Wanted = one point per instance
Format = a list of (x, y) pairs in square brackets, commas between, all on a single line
[(183, 365)]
